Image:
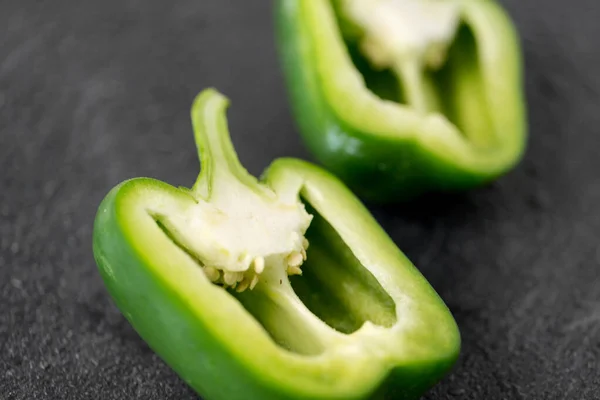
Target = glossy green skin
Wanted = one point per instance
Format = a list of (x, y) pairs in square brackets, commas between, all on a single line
[(206, 335), (400, 165)]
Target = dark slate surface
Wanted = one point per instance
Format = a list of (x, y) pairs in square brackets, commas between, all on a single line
[(92, 93)]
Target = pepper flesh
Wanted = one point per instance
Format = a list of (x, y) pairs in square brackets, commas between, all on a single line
[(397, 115), (358, 322)]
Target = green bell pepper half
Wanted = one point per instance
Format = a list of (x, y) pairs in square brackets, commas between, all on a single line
[(279, 288), (395, 113)]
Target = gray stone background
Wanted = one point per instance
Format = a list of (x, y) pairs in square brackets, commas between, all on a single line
[(94, 92)]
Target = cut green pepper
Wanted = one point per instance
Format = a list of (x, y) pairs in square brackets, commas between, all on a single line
[(402, 97), (284, 288)]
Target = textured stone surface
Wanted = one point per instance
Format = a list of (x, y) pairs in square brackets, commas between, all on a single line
[(92, 93)]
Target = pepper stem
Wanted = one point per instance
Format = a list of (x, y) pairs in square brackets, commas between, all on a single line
[(238, 228), (220, 166)]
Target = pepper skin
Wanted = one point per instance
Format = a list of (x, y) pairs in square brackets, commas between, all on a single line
[(283, 288), (395, 128)]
